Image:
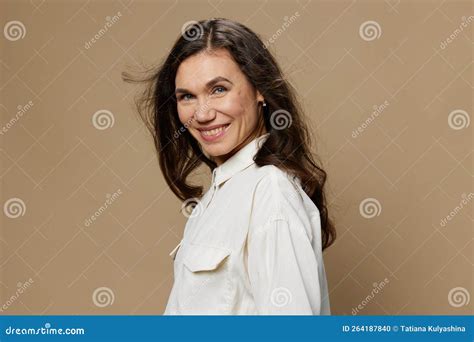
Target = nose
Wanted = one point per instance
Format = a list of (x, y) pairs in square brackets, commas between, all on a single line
[(204, 112)]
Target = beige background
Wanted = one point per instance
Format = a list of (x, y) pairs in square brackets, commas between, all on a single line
[(413, 161)]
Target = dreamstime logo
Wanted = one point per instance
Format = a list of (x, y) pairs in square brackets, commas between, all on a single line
[(370, 207), (110, 198), (21, 111), (103, 119), (458, 296), (287, 21), (458, 119), (191, 30), (21, 288), (14, 208), (103, 296), (465, 200), (375, 113), (14, 30), (377, 287), (191, 207), (370, 30), (110, 21), (464, 24), (183, 128), (280, 119), (47, 329), (281, 296)]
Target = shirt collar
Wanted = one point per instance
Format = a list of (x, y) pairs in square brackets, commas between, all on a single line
[(238, 162)]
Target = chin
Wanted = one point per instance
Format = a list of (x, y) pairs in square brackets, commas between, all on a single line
[(216, 151), (221, 146), (216, 148)]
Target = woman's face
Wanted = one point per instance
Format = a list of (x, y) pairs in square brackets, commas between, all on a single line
[(217, 104)]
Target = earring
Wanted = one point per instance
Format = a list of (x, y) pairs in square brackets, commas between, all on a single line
[(264, 104)]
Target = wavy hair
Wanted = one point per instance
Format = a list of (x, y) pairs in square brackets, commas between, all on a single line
[(288, 144)]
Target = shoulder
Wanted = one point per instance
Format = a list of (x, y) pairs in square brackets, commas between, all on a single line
[(277, 187), (279, 197)]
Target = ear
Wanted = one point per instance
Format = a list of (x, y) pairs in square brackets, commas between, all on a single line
[(260, 97)]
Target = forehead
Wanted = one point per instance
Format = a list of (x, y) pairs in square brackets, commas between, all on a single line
[(196, 70)]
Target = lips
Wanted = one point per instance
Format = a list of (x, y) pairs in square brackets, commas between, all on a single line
[(212, 133)]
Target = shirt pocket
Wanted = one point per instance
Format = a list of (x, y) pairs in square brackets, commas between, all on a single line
[(205, 285)]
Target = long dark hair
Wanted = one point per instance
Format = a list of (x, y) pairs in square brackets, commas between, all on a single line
[(287, 146)]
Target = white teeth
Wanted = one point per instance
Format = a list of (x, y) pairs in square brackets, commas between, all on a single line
[(214, 131)]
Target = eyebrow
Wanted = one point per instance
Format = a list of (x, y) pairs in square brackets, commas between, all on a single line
[(208, 84)]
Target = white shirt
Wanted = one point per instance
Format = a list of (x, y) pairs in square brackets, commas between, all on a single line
[(252, 246)]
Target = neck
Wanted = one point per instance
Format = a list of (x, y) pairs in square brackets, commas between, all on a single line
[(219, 160)]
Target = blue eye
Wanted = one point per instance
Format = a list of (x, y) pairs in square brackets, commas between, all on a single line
[(220, 87), (184, 97)]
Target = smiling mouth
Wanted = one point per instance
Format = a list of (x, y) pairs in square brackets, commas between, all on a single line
[(215, 133)]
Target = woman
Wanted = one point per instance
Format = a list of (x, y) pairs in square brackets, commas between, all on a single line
[(253, 242)]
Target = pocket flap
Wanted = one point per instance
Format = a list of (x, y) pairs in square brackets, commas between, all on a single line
[(204, 258)]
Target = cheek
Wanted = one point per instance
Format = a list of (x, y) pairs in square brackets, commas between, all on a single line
[(185, 114), (233, 105)]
